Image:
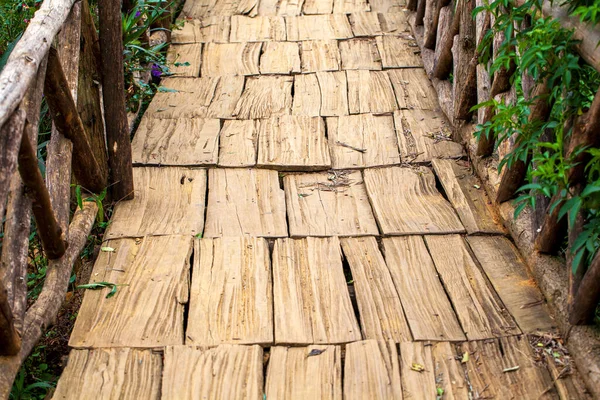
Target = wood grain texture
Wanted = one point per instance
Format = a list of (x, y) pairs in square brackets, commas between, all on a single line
[(147, 309), (310, 295), (205, 30), (387, 6), (318, 27), (406, 201), (180, 55), (214, 8), (176, 141), (280, 7), (413, 89), (231, 293), (372, 371), (394, 23), (280, 58), (293, 143), (424, 135), (293, 373), (426, 306), (398, 52), (307, 95), (237, 143), (257, 29), (312, 7), (449, 373), (479, 309), (370, 92), (365, 24), (111, 374), (245, 202), (468, 197), (230, 59), (503, 266), (360, 54), (381, 314), (417, 371), (265, 96), (320, 55), (168, 201), (321, 94), (223, 372), (326, 204), (363, 140), (350, 6)]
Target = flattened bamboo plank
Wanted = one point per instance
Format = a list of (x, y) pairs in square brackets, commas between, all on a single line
[(370, 92), (350, 6), (227, 95), (398, 52), (426, 306), (360, 54), (152, 275), (301, 373), (449, 374), (325, 204), (168, 201), (184, 59), (365, 24), (406, 202), (223, 372), (179, 141), (393, 23), (216, 8), (413, 89), (387, 6), (372, 371), (245, 202), (479, 309), (363, 140), (424, 135), (417, 371), (280, 7), (503, 266), (206, 30), (111, 374), (257, 29), (293, 143), (265, 96), (318, 27), (230, 59), (320, 55), (280, 58), (468, 198), (334, 99), (231, 293), (310, 295), (237, 143), (307, 96), (381, 314), (317, 7)]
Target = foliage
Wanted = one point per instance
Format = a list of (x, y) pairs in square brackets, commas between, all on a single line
[(14, 17), (540, 47), (587, 10)]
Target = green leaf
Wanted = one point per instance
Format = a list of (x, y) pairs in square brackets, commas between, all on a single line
[(78, 197)]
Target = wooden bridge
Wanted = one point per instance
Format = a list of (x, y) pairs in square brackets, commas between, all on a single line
[(304, 228)]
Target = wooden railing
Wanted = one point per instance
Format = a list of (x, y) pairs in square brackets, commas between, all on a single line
[(60, 58)]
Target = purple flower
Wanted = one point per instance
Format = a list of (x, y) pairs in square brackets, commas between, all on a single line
[(138, 13), (156, 71)]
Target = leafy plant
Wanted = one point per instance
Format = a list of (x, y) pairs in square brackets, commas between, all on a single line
[(101, 285)]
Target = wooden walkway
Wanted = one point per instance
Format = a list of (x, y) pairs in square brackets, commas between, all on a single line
[(303, 228)]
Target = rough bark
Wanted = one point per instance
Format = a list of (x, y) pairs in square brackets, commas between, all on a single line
[(431, 21), (447, 29), (465, 82), (421, 6), (9, 336), (575, 277), (585, 133), (586, 299), (10, 140), (412, 5), (550, 234)]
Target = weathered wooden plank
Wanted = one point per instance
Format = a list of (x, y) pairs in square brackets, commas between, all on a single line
[(184, 59), (465, 192), (317, 7), (393, 23), (360, 54), (387, 6), (381, 314), (413, 89), (216, 8), (406, 201), (417, 371), (223, 372), (363, 140), (280, 7), (313, 372), (237, 143), (293, 142), (280, 58), (370, 92), (365, 24), (265, 96), (111, 374), (257, 29), (372, 371), (398, 52), (318, 27), (508, 274), (245, 202), (230, 59), (479, 309), (152, 275), (424, 135), (168, 201), (326, 204), (321, 94), (449, 374), (227, 94), (205, 30), (231, 293), (426, 305), (307, 95), (177, 141), (320, 55), (350, 6), (310, 295)]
